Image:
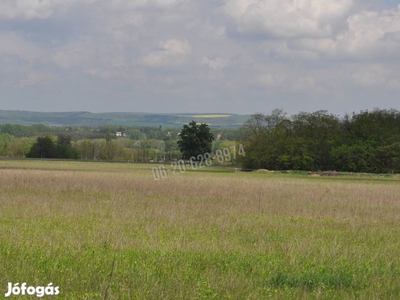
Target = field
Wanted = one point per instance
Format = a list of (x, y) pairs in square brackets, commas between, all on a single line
[(110, 231), (82, 118), (211, 116)]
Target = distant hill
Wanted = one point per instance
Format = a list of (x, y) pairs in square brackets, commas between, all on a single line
[(83, 118)]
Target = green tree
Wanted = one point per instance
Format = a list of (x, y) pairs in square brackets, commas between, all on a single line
[(64, 147), (108, 136), (320, 133), (388, 158), (265, 139), (303, 142), (109, 150), (359, 157), (86, 149), (64, 140), (46, 148), (21, 146), (5, 143), (196, 139), (43, 148)]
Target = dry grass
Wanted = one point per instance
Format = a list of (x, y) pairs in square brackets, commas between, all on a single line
[(198, 234)]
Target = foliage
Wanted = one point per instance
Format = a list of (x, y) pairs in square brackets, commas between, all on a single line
[(365, 142), (45, 147), (64, 140), (196, 139), (5, 143), (86, 149)]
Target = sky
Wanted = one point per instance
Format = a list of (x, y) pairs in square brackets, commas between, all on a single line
[(191, 56)]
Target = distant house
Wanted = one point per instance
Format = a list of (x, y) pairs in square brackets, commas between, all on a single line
[(120, 133)]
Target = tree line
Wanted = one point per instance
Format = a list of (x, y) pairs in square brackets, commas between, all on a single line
[(368, 141), (61, 146), (136, 144)]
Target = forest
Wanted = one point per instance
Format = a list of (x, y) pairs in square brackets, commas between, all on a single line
[(368, 141)]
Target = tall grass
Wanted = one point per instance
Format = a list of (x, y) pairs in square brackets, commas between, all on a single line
[(105, 231)]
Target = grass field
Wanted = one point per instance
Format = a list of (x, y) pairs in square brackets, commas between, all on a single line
[(211, 116), (110, 231)]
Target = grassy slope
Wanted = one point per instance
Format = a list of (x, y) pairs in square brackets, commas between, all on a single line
[(128, 119), (110, 231)]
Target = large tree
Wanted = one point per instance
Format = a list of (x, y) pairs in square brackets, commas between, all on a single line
[(46, 148), (43, 148), (196, 139)]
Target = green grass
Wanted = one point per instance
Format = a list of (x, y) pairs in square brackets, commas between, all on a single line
[(110, 231)]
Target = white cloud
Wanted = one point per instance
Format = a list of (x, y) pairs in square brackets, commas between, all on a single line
[(287, 18), (282, 50), (369, 35), (215, 62), (89, 56), (33, 77), (376, 75), (171, 52), (18, 58), (134, 4), (303, 83), (372, 34), (140, 24), (14, 44), (290, 82), (270, 80), (77, 54), (216, 50), (26, 9), (35, 9)]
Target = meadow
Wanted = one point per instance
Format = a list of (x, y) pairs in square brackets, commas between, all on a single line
[(110, 231)]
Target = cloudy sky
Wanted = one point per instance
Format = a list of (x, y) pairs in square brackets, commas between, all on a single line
[(165, 56)]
